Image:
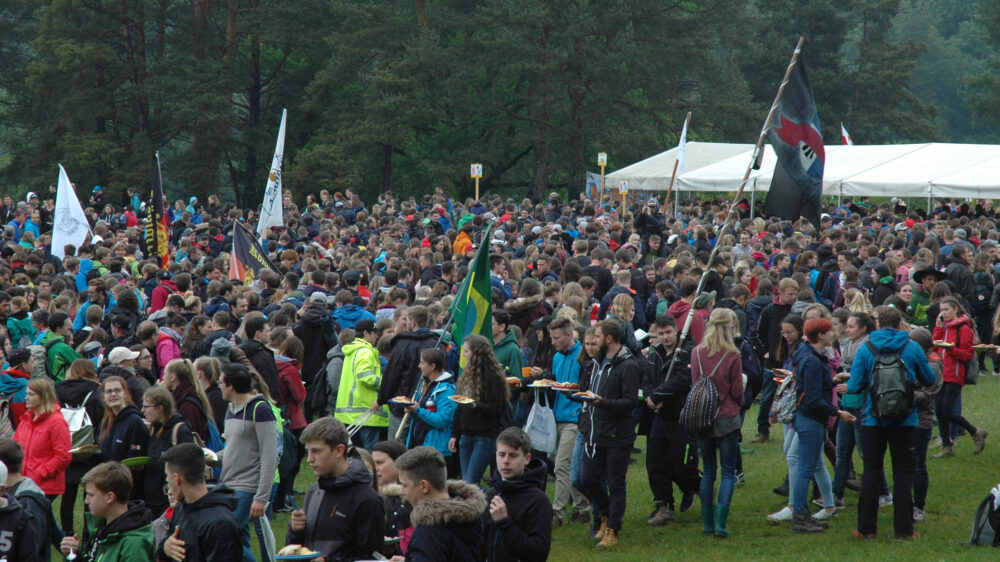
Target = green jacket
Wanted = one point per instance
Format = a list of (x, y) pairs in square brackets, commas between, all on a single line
[(918, 307), (129, 538), (59, 356), (509, 354), (360, 380)]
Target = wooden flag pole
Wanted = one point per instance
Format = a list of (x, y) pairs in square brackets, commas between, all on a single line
[(602, 161), (739, 193), (673, 176)]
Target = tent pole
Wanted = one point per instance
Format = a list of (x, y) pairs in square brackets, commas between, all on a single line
[(840, 195), (753, 197)]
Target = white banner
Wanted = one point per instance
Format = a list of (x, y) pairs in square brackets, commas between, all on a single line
[(680, 148), (70, 224), (271, 208)]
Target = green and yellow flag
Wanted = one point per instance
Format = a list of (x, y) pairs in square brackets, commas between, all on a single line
[(472, 309)]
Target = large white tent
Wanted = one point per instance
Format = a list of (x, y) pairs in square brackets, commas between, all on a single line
[(902, 170)]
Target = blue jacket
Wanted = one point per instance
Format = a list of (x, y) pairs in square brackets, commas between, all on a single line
[(813, 383), (566, 368), (440, 419), (349, 315), (913, 357)]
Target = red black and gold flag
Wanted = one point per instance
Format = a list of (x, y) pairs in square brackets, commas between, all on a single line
[(157, 228), (248, 259)]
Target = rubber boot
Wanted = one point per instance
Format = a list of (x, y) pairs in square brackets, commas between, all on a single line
[(721, 516), (707, 518)]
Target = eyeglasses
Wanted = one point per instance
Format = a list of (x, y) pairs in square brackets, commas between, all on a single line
[(112, 391)]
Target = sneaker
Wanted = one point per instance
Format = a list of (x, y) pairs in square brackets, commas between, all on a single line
[(885, 501), (688, 500), (741, 479), (609, 540), (284, 509), (782, 489), (936, 443), (946, 451), (557, 519), (784, 514), (803, 523), (864, 537), (824, 515), (980, 441), (760, 438), (919, 515), (853, 484), (661, 516), (839, 503)]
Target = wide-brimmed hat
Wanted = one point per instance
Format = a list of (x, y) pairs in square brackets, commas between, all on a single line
[(918, 277)]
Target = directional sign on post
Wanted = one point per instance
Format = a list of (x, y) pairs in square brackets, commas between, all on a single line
[(623, 187), (602, 158), (477, 170)]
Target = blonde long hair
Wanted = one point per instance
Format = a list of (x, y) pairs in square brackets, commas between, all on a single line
[(623, 307), (719, 335)]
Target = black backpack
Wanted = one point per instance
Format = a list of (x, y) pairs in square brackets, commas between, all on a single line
[(890, 388), (986, 524), (982, 293)]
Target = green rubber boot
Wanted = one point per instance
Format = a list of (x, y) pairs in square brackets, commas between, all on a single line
[(721, 516), (708, 519)]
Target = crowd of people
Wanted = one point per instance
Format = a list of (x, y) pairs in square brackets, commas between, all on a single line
[(183, 403)]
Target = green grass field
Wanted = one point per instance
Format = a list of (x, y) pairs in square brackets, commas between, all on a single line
[(957, 486)]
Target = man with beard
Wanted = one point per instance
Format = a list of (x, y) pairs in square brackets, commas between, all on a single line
[(399, 378)]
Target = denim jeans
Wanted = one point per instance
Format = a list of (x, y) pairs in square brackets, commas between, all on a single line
[(809, 438), (366, 437), (474, 454), (574, 467), (728, 449), (242, 514), (921, 481)]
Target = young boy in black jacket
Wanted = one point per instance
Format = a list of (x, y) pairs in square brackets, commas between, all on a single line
[(518, 520), (344, 517)]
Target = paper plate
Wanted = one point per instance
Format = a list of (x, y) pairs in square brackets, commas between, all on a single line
[(135, 461), (85, 450), (461, 399), (585, 398), (297, 556), (396, 403)]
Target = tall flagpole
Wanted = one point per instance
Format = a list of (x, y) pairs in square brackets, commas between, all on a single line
[(731, 215), (673, 176)]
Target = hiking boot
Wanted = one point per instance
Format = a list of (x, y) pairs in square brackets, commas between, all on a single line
[(804, 523), (945, 451), (885, 501), (688, 500), (760, 438), (661, 516), (602, 529), (610, 540), (919, 515), (936, 443), (782, 489), (782, 515), (979, 439), (580, 516)]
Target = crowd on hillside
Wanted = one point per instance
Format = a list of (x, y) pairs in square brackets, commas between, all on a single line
[(173, 408)]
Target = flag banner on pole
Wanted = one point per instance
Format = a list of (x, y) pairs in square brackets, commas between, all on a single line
[(271, 207), (156, 222), (70, 224), (248, 258), (797, 185), (593, 189), (845, 137), (680, 148), (472, 309)]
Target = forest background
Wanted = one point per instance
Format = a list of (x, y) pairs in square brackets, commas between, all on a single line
[(404, 95)]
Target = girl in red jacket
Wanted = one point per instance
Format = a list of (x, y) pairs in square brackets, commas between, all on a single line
[(955, 328), (44, 435)]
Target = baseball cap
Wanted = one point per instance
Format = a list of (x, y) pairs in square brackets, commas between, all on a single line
[(318, 297), (120, 354)]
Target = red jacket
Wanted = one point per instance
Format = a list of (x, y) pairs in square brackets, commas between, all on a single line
[(957, 331), (46, 443), (159, 297), (293, 391)]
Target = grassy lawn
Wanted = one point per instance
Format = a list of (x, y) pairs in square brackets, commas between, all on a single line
[(957, 486)]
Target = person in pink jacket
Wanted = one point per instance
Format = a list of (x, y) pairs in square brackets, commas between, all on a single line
[(44, 435), (168, 341)]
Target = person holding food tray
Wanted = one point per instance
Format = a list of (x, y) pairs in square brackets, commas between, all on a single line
[(434, 411)]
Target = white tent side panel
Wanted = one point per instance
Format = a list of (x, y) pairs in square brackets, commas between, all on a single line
[(914, 173), (653, 173)]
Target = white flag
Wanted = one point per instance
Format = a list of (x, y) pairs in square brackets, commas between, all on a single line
[(271, 208), (70, 224), (680, 148)]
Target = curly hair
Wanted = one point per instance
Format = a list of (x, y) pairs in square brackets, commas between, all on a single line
[(482, 363)]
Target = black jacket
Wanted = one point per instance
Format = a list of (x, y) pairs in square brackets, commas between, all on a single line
[(208, 528), (526, 532), (42, 520), (448, 530), (400, 375), (483, 419), (126, 438), (262, 360), (204, 347), (345, 516), (611, 423), (317, 333), (15, 526), (602, 276), (766, 336), (670, 392), (159, 442)]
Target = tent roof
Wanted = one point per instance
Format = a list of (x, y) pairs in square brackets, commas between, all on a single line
[(653, 173), (940, 169)]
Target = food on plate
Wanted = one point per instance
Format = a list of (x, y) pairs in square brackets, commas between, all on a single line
[(586, 395), (942, 343), (295, 550), (513, 381), (402, 399), (566, 386), (781, 372), (543, 383), (85, 450), (984, 347), (461, 399)]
